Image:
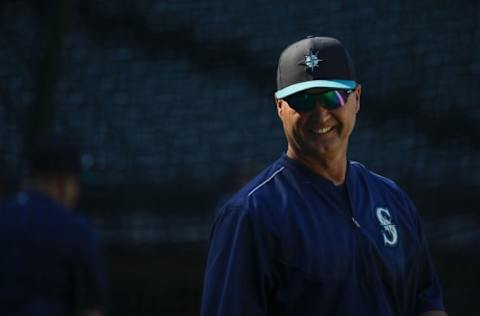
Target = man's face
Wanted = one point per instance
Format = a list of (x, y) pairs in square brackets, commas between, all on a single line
[(320, 133)]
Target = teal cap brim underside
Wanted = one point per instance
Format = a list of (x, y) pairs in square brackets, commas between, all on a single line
[(333, 84)]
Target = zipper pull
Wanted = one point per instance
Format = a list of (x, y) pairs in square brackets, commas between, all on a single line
[(356, 222)]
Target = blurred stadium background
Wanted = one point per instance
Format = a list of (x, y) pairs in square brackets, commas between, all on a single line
[(172, 104)]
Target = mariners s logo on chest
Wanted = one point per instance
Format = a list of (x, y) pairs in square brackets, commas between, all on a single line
[(389, 229)]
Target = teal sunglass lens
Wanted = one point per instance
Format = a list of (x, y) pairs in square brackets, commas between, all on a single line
[(305, 102), (334, 99), (302, 102)]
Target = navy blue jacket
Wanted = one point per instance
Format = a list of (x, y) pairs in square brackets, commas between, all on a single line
[(49, 259), (292, 243)]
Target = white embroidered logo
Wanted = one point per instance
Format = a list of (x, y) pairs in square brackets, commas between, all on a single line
[(311, 61), (390, 234)]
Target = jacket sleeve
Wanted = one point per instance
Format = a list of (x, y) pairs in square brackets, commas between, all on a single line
[(238, 278), (429, 296)]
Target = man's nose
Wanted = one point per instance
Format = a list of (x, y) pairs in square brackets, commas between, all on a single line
[(321, 111)]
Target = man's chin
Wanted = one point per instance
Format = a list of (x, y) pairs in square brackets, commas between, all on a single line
[(321, 151)]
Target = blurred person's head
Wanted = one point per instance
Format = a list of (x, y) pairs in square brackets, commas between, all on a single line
[(54, 169)]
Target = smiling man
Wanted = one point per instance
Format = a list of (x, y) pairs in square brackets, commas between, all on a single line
[(316, 233)]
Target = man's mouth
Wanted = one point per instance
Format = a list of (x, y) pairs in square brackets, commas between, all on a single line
[(321, 131)]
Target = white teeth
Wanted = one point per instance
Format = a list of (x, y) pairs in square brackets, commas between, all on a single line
[(322, 130)]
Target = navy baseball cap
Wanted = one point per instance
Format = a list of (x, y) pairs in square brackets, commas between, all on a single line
[(314, 62)]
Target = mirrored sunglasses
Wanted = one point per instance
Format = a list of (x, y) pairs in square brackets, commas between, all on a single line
[(330, 100)]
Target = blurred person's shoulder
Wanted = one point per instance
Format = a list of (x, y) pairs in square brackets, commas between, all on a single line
[(34, 213)]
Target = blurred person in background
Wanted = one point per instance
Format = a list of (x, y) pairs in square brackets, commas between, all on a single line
[(50, 263)]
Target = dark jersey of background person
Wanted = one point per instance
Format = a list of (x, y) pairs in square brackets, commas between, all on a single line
[(286, 244), (49, 259)]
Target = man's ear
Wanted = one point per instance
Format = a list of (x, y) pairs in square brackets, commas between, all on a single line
[(280, 106), (358, 93)]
